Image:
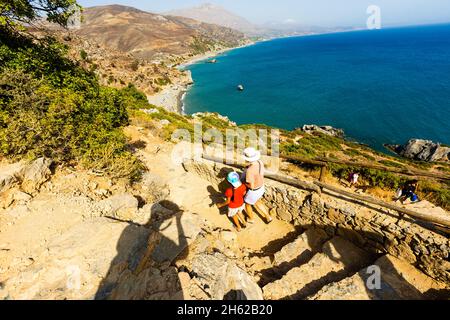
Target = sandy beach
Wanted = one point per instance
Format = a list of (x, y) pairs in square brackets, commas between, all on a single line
[(171, 97)]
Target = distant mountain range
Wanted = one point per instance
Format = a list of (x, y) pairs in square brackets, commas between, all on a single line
[(215, 14), (147, 35)]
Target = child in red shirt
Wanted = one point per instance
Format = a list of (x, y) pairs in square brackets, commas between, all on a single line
[(235, 200)]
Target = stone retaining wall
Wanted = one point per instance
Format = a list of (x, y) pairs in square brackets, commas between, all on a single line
[(375, 229)]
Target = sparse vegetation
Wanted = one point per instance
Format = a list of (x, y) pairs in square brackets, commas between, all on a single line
[(51, 107), (435, 192), (83, 55), (134, 65), (351, 152), (312, 146), (163, 81), (390, 163), (443, 169), (176, 121), (201, 45)]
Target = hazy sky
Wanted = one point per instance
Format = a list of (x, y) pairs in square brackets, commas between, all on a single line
[(310, 12)]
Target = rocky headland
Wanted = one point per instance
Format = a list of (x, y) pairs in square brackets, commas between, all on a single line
[(328, 130), (422, 150)]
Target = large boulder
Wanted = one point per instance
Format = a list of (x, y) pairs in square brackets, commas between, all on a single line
[(398, 280), (150, 284), (121, 206), (153, 188), (207, 170), (174, 234), (35, 174), (29, 175), (7, 181), (422, 150), (222, 279), (328, 130)]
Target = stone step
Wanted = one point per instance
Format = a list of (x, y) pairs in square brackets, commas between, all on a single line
[(338, 260), (399, 281), (300, 251)]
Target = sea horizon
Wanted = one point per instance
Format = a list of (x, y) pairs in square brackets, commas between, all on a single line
[(200, 96)]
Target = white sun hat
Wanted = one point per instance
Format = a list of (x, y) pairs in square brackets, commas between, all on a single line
[(251, 155)]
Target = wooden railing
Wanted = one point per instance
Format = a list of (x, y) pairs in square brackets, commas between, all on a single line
[(323, 161), (318, 186)]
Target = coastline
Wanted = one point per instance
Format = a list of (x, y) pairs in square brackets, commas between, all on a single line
[(211, 54), (171, 97)]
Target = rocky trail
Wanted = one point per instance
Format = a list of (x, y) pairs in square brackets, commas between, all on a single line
[(194, 194), (71, 230), (67, 234)]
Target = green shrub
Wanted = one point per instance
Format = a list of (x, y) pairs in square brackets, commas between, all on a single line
[(390, 163), (83, 54), (133, 98), (311, 146), (134, 65), (201, 45), (163, 81), (368, 156), (213, 121), (437, 193), (375, 178), (51, 107), (443, 169), (352, 152)]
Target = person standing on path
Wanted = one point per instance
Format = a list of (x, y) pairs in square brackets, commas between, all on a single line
[(253, 177), (235, 200)]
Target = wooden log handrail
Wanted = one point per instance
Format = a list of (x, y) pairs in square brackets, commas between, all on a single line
[(445, 221), (321, 161), (276, 177), (317, 186)]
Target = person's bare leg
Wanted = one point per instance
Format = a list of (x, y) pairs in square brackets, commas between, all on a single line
[(236, 222), (263, 210), (242, 219), (249, 212)]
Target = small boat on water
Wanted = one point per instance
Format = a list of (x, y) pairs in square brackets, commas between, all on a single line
[(212, 61), (240, 87)]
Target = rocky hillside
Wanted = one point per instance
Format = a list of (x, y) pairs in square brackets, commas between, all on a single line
[(124, 45), (115, 68), (147, 35), (69, 234)]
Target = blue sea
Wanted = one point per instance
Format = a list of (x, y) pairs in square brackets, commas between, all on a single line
[(380, 86)]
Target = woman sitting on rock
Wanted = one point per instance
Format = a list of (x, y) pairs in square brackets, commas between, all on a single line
[(253, 177), (409, 192)]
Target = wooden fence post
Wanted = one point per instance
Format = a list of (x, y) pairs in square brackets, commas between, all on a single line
[(323, 173)]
